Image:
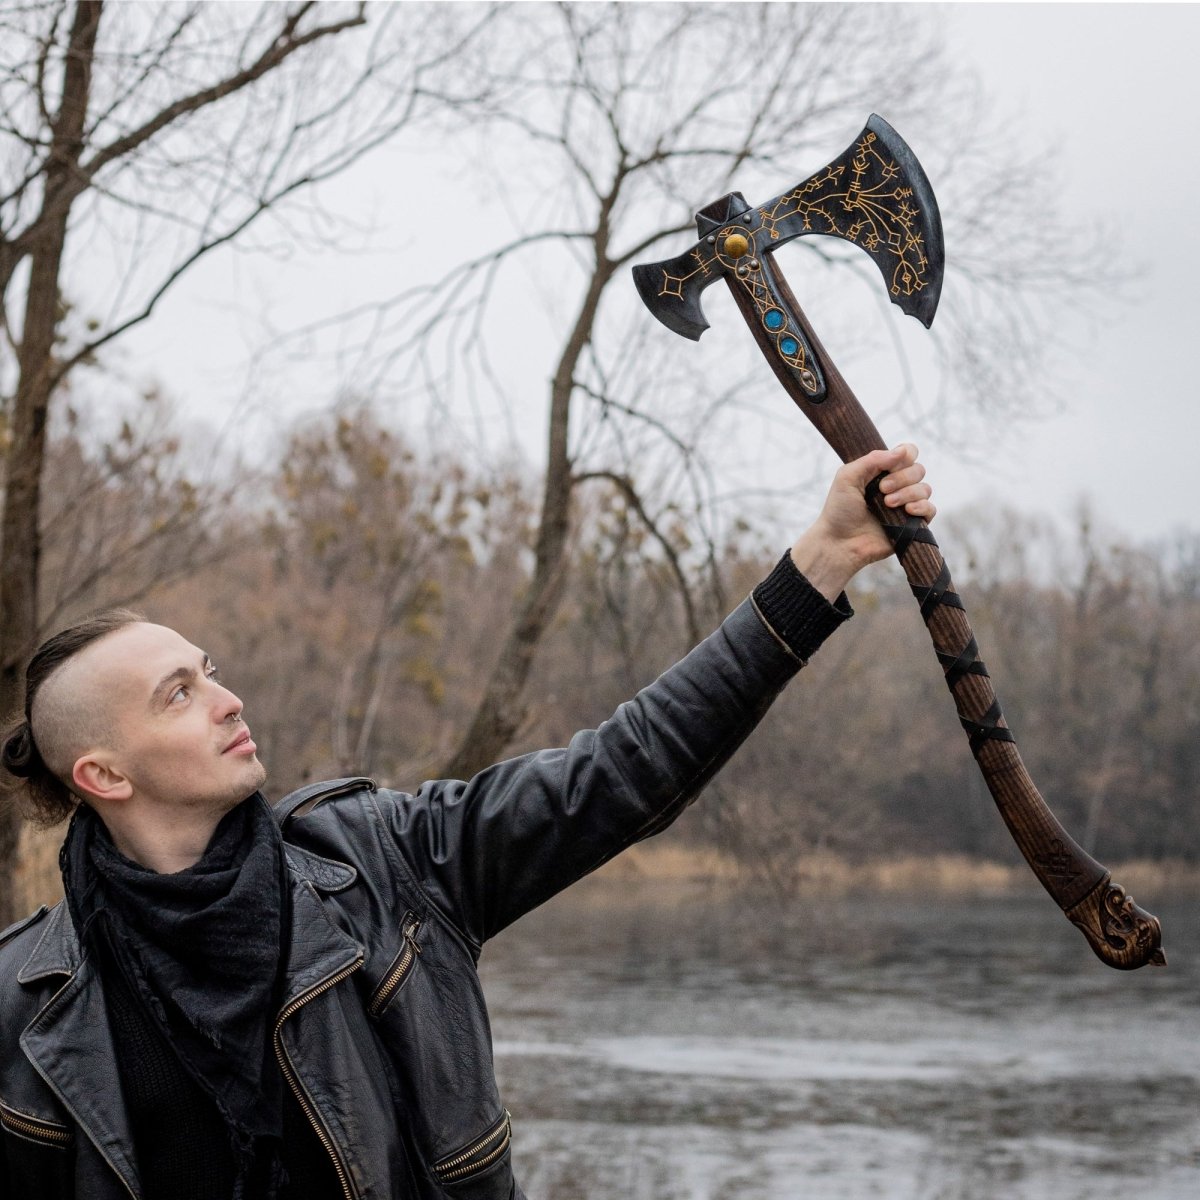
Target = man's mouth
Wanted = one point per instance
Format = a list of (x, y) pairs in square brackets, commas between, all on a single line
[(241, 744)]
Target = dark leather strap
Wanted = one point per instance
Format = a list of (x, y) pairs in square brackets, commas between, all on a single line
[(937, 593), (987, 728), (913, 530), (967, 660)]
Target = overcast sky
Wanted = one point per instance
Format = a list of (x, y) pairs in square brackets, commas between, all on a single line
[(1113, 89), (1116, 87)]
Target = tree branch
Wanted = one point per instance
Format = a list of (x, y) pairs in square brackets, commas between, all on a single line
[(285, 44), (625, 486)]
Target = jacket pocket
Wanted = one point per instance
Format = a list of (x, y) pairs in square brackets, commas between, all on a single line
[(400, 968), (34, 1129), (478, 1156)]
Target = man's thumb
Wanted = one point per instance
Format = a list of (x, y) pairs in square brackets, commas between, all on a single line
[(861, 471)]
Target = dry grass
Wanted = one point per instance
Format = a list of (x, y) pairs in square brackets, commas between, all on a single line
[(668, 863), (38, 880), (948, 874), (816, 873), (944, 873), (1172, 877)]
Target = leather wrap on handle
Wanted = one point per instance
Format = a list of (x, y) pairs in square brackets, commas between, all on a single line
[(1122, 934)]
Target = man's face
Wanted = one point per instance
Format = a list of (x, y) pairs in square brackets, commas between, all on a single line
[(177, 733)]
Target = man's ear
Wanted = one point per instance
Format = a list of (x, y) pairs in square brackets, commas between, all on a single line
[(95, 777)]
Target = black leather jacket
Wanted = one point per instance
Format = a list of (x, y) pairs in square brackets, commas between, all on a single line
[(384, 1036)]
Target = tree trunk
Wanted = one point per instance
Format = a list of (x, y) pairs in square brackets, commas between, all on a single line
[(19, 534), (501, 711)]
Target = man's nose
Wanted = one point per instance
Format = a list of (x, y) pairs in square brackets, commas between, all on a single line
[(228, 705)]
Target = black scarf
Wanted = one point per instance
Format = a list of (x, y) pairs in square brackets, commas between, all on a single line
[(201, 950)]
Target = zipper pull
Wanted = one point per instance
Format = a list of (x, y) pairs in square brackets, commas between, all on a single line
[(410, 936)]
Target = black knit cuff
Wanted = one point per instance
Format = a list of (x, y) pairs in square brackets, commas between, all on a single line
[(795, 611)]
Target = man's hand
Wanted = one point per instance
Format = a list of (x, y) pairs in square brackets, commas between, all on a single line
[(846, 536)]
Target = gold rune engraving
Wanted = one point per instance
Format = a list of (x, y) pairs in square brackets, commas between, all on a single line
[(858, 198), (672, 285)]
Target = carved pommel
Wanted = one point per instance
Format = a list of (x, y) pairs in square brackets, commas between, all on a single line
[(1123, 935)]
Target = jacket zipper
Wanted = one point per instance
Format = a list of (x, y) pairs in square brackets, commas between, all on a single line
[(289, 1073), (400, 968), (476, 1157), (34, 1128)]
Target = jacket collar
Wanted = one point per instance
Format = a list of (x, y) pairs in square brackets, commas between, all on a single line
[(318, 948), (57, 950), (73, 1029)]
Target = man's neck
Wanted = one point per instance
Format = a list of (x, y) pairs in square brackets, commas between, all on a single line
[(168, 841)]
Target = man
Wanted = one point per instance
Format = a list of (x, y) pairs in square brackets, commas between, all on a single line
[(235, 1002)]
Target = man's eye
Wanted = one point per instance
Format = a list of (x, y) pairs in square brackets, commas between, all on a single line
[(211, 671), (179, 692)]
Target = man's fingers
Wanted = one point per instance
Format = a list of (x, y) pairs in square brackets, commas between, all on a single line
[(922, 508), (915, 501), (895, 481), (908, 494), (862, 470), (903, 486)]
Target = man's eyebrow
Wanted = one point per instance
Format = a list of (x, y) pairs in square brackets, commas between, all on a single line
[(178, 675)]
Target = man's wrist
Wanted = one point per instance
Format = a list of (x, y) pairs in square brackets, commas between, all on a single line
[(827, 563), (798, 615)]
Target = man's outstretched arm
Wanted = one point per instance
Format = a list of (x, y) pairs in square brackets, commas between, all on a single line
[(491, 848)]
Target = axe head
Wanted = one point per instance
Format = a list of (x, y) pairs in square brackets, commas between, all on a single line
[(875, 195)]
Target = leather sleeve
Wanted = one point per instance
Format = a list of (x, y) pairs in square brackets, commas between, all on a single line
[(496, 846)]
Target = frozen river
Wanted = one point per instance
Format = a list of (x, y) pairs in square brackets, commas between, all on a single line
[(669, 1044)]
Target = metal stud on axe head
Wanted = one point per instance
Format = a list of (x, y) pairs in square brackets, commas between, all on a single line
[(877, 196)]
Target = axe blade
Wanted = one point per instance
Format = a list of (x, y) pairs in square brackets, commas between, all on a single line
[(913, 270), (875, 195), (672, 281)]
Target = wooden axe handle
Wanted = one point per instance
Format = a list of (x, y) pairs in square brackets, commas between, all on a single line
[(1121, 933)]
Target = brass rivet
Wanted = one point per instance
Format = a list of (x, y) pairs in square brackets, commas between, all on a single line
[(736, 245)]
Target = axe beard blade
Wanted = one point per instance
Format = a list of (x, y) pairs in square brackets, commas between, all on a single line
[(669, 294)]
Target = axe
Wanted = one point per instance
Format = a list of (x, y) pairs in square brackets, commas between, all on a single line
[(877, 196)]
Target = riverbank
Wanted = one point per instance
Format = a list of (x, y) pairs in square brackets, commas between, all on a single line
[(666, 862), (825, 873)]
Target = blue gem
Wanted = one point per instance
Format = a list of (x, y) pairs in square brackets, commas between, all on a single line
[(789, 346), (774, 319)]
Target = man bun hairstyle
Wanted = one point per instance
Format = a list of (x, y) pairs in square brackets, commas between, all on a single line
[(45, 798), (20, 755)]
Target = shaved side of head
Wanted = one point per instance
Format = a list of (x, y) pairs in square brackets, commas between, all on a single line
[(71, 714), (66, 713)]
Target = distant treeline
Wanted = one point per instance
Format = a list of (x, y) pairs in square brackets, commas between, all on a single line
[(354, 596)]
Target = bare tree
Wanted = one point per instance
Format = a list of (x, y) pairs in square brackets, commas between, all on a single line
[(134, 141), (625, 119), (129, 508)]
